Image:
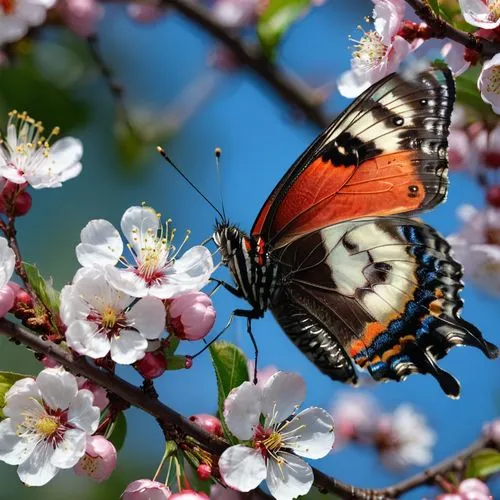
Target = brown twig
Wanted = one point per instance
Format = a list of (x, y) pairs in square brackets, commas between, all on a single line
[(293, 91), (175, 424), (115, 87), (441, 29)]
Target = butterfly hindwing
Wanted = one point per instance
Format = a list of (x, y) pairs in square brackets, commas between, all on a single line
[(387, 291), (385, 155)]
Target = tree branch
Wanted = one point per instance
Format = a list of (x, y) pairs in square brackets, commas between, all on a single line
[(170, 421), (441, 29)]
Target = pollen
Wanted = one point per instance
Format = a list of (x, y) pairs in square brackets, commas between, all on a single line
[(47, 426), (369, 51), (109, 317), (494, 8), (493, 83), (274, 442), (89, 464)]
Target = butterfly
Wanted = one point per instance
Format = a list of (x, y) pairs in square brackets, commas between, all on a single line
[(335, 254)]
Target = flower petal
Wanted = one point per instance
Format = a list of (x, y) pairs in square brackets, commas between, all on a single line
[(85, 339), (126, 281), (148, 317), (290, 479), (82, 412), (13, 449), (70, 449), (139, 223), (281, 395), (352, 83), (242, 468), (242, 410), (58, 387), (38, 469), (128, 347), (310, 433), (477, 13), (101, 244), (7, 299), (7, 262)]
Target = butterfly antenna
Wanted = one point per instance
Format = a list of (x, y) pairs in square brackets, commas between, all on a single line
[(179, 171), (218, 154)]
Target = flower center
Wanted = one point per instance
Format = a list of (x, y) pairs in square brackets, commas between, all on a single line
[(494, 6), (47, 425), (493, 84), (7, 6), (274, 442), (109, 317), (369, 51)]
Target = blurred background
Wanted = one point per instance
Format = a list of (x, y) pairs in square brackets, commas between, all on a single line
[(182, 100)]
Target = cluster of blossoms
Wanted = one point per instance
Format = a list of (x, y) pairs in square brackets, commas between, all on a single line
[(402, 438)]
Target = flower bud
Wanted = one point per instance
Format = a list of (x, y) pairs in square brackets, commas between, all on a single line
[(471, 486), (49, 362), (493, 196), (189, 495), (208, 422), (190, 316), (145, 13), (492, 431), (99, 460), (22, 204), (21, 295), (144, 489), (100, 394), (204, 472), (7, 299), (152, 365)]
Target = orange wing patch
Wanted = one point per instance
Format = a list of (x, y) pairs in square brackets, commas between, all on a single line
[(325, 194)]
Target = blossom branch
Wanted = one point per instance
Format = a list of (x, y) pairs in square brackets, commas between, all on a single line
[(177, 427), (441, 29), (289, 88)]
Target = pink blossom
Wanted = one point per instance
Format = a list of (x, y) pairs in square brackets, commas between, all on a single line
[(378, 52), (481, 13), (236, 13), (49, 362), (191, 315), (7, 299), (458, 149), (263, 375), (145, 12), (145, 489), (208, 422), (492, 431), (81, 16), (489, 83), (487, 144), (100, 394), (189, 495), (453, 54), (474, 486), (21, 295), (99, 460)]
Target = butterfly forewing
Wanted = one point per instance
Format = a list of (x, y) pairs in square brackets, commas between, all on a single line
[(385, 155)]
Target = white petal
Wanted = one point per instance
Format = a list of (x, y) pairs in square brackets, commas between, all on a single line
[(281, 395), (101, 244), (128, 347), (453, 54), (24, 395), (477, 13), (70, 449), (38, 469), (82, 412), (352, 83), (242, 410), (126, 281), (7, 262), (242, 468), (73, 306), (137, 223), (290, 479), (310, 433), (13, 449), (58, 387), (148, 317), (85, 339)]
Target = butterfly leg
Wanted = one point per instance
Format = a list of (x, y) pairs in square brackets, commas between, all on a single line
[(230, 288), (208, 344), (250, 315)]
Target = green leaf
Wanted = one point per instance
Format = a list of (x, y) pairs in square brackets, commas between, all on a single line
[(231, 370), (24, 89), (44, 290), (276, 20), (117, 431), (176, 362), (7, 380), (483, 463)]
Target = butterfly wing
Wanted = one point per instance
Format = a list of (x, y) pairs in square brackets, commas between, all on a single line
[(382, 293), (385, 155)]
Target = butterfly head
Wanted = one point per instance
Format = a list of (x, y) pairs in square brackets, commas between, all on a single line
[(228, 238)]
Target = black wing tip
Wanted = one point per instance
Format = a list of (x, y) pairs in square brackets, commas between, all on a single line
[(473, 337), (447, 382)]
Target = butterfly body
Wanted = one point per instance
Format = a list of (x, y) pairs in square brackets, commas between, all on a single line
[(353, 280)]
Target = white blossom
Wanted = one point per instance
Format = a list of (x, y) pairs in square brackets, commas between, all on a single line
[(156, 269), (47, 425), (481, 13), (267, 417)]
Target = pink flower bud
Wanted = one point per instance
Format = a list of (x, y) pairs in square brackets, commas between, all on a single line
[(191, 316), (208, 422), (100, 394), (145, 489), (143, 13), (21, 295), (49, 362), (81, 16), (152, 365), (7, 299), (204, 472), (99, 460), (471, 486), (492, 430), (22, 204), (189, 495)]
